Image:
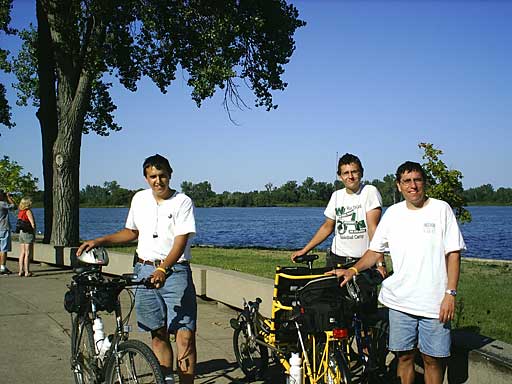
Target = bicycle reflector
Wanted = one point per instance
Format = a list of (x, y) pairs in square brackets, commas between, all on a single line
[(340, 333), (94, 256)]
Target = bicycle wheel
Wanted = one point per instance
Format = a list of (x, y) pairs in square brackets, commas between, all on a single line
[(336, 367), (83, 360), (382, 371), (251, 357), (133, 363)]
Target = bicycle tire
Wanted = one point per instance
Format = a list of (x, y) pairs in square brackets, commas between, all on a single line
[(252, 358), (337, 371), (134, 362), (83, 360), (382, 372)]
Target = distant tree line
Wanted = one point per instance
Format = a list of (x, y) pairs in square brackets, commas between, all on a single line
[(111, 194), (308, 193), (486, 194)]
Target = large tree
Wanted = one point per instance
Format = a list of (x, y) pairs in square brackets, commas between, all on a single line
[(79, 45)]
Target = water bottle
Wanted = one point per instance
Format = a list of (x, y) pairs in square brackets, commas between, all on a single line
[(295, 375), (101, 343)]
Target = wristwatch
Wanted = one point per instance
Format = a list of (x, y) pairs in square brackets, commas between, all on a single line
[(451, 292), (380, 264)]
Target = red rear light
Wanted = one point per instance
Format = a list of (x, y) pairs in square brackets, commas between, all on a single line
[(340, 333)]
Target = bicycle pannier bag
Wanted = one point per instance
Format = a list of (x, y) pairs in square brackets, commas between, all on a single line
[(321, 305), (74, 299)]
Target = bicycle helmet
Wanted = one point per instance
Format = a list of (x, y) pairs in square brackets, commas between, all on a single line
[(94, 256)]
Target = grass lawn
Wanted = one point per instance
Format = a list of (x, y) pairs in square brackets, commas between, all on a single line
[(484, 293)]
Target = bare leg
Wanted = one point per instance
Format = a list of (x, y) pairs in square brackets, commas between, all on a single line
[(434, 369), (28, 255), (21, 261), (187, 355), (162, 349), (3, 258), (405, 369)]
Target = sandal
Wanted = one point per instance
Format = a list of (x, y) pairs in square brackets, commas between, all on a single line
[(29, 274)]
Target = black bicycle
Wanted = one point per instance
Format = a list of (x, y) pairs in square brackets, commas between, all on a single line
[(95, 357)]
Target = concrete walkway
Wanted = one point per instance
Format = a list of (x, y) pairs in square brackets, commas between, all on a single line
[(35, 332)]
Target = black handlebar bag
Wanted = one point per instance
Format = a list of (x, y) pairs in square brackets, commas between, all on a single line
[(321, 305)]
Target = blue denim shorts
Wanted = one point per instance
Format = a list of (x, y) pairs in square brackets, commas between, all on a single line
[(5, 240), (407, 332), (173, 305)]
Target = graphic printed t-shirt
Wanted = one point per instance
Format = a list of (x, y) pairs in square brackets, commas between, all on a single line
[(349, 213)]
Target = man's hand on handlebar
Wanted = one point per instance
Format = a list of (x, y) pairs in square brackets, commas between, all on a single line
[(297, 254), (345, 275)]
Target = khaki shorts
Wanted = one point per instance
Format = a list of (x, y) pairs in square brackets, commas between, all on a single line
[(26, 238)]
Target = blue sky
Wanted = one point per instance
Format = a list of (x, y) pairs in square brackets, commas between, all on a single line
[(373, 78)]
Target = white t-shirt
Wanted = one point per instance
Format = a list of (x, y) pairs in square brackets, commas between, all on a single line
[(418, 242), (170, 218), (349, 213)]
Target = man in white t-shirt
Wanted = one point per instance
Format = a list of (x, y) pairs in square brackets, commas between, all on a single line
[(352, 214), (162, 220), (425, 242)]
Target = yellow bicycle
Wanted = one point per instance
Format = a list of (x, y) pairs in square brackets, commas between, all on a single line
[(307, 318)]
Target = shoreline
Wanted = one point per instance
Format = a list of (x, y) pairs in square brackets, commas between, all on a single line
[(39, 238)]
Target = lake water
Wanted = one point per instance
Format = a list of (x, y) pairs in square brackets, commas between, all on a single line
[(489, 235)]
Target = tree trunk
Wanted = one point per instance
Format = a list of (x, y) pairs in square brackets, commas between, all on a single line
[(66, 165), (73, 99), (47, 113)]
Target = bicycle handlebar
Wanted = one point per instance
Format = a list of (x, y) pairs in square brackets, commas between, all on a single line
[(123, 281)]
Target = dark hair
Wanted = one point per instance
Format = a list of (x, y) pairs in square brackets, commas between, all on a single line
[(410, 166), (347, 159), (157, 161)]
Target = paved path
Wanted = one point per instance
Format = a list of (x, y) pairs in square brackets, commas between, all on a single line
[(35, 329)]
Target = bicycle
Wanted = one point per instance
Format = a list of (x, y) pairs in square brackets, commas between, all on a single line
[(369, 330), (96, 358), (298, 294)]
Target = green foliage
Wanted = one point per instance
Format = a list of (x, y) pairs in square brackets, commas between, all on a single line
[(5, 19), (216, 43), (24, 67), (13, 180), (309, 193), (485, 291), (111, 194), (485, 194), (443, 183), (200, 193), (388, 190)]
